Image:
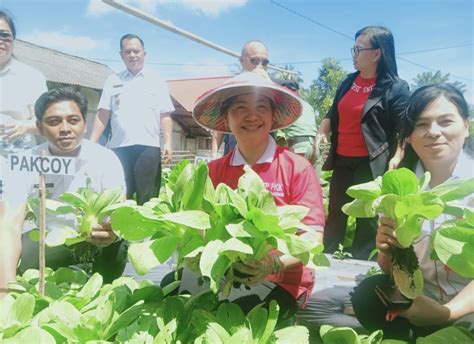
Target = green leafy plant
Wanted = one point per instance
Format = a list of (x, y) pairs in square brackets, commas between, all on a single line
[(91, 207), (399, 195), (165, 174), (210, 229), (86, 208), (71, 218), (453, 244), (230, 325), (78, 309), (346, 335), (341, 254), (374, 271)]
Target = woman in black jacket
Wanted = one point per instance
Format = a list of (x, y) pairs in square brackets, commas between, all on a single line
[(363, 120)]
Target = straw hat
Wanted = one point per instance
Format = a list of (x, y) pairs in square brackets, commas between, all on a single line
[(207, 109)]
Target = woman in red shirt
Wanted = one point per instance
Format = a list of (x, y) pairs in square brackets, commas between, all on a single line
[(363, 121), (250, 106)]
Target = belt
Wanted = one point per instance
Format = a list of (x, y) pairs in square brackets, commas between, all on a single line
[(298, 139)]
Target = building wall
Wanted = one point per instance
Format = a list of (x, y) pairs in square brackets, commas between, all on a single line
[(93, 97), (179, 140)]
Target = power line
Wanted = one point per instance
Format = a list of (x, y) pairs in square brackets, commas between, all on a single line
[(311, 20), (281, 63), (170, 64), (349, 37), (436, 49), (172, 28)]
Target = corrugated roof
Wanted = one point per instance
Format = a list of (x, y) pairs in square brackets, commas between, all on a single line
[(186, 91), (60, 67), (74, 70)]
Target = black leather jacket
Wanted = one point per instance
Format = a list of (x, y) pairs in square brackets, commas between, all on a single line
[(380, 117)]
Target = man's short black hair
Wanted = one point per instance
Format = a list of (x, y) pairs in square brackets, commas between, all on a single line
[(130, 36), (58, 95)]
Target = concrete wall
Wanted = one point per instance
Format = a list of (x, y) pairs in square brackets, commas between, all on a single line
[(179, 140)]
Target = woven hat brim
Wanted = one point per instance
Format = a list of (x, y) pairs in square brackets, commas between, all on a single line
[(207, 110)]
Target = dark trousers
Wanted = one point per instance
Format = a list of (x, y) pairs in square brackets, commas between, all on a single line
[(348, 171), (142, 167), (370, 312), (110, 261)]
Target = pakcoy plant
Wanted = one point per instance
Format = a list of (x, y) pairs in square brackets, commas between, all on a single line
[(209, 229), (79, 309), (399, 194), (70, 218), (346, 335), (453, 244)]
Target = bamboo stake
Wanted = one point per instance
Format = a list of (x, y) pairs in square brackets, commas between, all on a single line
[(167, 26), (42, 225)]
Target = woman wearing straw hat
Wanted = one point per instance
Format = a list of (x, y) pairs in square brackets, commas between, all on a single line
[(250, 107)]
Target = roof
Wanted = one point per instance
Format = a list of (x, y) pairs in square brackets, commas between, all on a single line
[(63, 68), (184, 93), (74, 70)]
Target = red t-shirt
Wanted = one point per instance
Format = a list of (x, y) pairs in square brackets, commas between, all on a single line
[(291, 180), (350, 138)]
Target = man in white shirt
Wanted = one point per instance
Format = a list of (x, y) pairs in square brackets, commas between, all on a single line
[(137, 104), (61, 115)]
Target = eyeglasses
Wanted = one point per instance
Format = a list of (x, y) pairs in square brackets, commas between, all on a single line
[(6, 36), (356, 50), (256, 61)]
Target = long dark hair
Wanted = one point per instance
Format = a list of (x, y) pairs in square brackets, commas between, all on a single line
[(8, 18), (417, 103), (381, 38)]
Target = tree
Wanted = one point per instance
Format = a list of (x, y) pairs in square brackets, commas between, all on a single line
[(430, 78), (277, 75), (323, 89)]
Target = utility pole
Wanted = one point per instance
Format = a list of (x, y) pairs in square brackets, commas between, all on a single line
[(155, 21)]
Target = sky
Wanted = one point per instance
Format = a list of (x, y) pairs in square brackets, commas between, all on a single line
[(429, 35)]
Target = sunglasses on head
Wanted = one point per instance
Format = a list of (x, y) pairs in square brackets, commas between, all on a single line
[(6, 36), (256, 61)]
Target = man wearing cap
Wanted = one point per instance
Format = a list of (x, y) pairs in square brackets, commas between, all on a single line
[(249, 107), (300, 135), (253, 58), (137, 103)]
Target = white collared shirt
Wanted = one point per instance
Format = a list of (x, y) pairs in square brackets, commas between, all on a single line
[(13, 189), (136, 102), (440, 283), (267, 156), (93, 162), (20, 87)]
